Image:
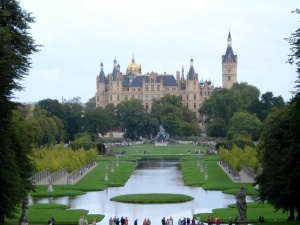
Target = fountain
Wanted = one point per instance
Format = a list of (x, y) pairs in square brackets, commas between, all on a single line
[(162, 137)]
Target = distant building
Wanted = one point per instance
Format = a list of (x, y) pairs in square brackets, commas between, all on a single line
[(116, 86)]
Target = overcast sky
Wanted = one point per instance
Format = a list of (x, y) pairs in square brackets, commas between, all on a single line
[(163, 35)]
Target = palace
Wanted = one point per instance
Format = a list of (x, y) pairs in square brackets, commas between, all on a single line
[(116, 86)]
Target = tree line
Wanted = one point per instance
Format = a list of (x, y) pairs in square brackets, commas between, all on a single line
[(238, 113), (56, 122)]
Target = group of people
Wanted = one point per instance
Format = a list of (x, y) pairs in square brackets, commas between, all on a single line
[(217, 221), (51, 221), (184, 221), (118, 221), (261, 219), (84, 221)]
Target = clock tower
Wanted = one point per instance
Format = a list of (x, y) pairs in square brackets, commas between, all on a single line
[(229, 65)]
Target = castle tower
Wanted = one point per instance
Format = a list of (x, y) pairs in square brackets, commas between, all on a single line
[(100, 81), (229, 65)]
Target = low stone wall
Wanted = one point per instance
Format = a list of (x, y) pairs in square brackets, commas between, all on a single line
[(41, 176), (74, 176), (249, 172), (161, 143), (232, 172), (58, 175)]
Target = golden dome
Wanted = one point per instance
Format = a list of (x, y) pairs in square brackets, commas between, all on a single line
[(133, 66)]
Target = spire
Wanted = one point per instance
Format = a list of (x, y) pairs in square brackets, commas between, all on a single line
[(191, 61), (115, 63), (191, 71), (229, 44), (229, 55), (101, 75)]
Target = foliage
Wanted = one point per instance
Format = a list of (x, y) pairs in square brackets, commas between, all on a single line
[(16, 166), (56, 158), (223, 103), (48, 129), (97, 121), (275, 149), (70, 112), (84, 140), (132, 116), (177, 120), (265, 105), (217, 128), (243, 121), (238, 157), (16, 46), (279, 150), (248, 92), (90, 104)]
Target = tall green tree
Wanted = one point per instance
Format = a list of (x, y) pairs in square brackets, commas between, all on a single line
[(279, 149), (223, 103), (245, 122), (16, 46), (265, 105), (130, 115), (97, 121), (217, 128), (249, 92)]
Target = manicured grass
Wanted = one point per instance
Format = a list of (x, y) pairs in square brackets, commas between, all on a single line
[(217, 179), (93, 181), (152, 198), (254, 210), (40, 214), (175, 149)]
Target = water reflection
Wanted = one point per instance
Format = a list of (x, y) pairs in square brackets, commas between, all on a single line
[(151, 176)]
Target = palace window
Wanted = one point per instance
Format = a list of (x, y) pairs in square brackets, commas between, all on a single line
[(195, 96), (118, 97), (152, 80), (97, 98), (187, 96), (228, 77), (180, 96), (200, 92), (126, 97), (152, 87), (146, 87), (158, 96), (110, 97), (132, 96), (147, 106), (140, 97), (187, 105), (158, 87), (147, 98), (194, 105)]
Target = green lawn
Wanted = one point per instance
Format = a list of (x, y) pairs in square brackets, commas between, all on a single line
[(152, 198)]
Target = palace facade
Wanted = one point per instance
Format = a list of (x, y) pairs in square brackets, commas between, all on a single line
[(116, 86)]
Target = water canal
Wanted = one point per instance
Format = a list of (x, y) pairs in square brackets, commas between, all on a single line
[(151, 176)]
